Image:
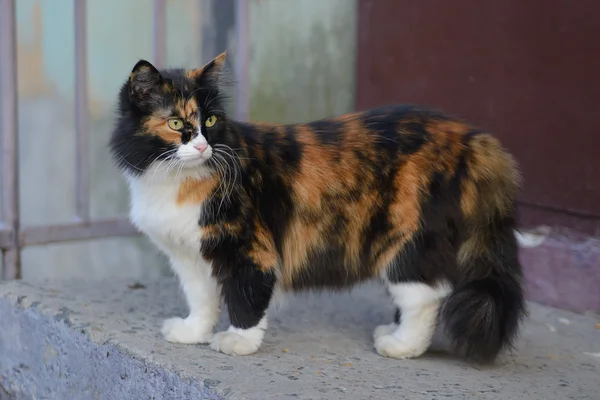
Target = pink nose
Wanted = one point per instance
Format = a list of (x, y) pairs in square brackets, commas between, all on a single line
[(201, 147)]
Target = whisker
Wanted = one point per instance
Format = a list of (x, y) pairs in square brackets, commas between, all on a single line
[(170, 166), (208, 101), (181, 164), (168, 160), (122, 159), (223, 183), (223, 178), (171, 154)]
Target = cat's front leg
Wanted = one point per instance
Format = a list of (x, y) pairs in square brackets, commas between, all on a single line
[(203, 298), (247, 291)]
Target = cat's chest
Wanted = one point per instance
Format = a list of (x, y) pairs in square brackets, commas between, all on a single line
[(156, 212)]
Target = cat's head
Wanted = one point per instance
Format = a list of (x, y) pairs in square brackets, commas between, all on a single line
[(170, 118)]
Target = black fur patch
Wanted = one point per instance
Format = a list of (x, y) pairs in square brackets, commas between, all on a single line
[(328, 131), (323, 270), (291, 151), (247, 292)]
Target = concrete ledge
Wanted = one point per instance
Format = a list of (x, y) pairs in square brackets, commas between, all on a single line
[(101, 341), (564, 271)]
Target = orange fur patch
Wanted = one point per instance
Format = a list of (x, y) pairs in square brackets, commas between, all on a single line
[(299, 240), (494, 177), (218, 61), (315, 177), (187, 108), (158, 126), (195, 191), (263, 249)]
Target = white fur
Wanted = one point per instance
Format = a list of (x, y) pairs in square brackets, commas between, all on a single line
[(383, 330), (419, 304), (192, 156), (240, 342), (174, 230), (532, 238)]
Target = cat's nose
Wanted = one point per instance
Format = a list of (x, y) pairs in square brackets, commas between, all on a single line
[(201, 147)]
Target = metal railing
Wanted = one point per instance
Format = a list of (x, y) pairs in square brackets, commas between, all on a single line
[(13, 237)]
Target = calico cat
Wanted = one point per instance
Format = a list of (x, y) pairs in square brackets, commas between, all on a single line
[(408, 195)]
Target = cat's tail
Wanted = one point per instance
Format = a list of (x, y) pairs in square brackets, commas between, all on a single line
[(482, 315)]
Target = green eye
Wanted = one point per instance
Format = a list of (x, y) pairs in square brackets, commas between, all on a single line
[(175, 123), (210, 121)]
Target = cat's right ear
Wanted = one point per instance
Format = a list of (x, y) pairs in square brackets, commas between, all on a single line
[(210, 71), (144, 82)]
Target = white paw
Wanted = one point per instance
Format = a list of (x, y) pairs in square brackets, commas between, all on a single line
[(233, 344), (382, 330), (187, 331), (390, 346)]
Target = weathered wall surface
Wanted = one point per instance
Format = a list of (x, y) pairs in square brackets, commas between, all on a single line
[(119, 34), (302, 59), (301, 67)]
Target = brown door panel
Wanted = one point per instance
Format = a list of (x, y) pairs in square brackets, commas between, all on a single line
[(529, 71)]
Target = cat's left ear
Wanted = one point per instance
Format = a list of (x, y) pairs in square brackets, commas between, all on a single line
[(144, 82), (210, 71)]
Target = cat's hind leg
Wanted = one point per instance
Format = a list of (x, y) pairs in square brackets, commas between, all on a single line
[(411, 336)]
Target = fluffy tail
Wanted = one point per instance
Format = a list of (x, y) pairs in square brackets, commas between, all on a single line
[(483, 314)]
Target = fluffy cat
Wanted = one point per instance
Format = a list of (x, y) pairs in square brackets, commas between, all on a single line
[(411, 196)]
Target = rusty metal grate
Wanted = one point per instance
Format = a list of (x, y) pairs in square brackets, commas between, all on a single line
[(13, 237)]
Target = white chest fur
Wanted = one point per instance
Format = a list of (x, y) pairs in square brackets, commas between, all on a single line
[(172, 227)]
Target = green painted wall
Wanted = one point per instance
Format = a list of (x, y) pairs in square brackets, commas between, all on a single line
[(302, 59), (302, 67), (119, 33)]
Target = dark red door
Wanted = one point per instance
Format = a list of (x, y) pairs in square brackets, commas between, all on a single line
[(529, 71)]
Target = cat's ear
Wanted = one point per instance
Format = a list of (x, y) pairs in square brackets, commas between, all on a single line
[(210, 71), (144, 82)]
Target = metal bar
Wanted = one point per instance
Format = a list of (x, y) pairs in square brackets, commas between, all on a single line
[(242, 89), (82, 166), (11, 255), (5, 236), (36, 235), (160, 30)]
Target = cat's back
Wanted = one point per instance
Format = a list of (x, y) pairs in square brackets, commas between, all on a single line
[(379, 137), (390, 129), (434, 149)]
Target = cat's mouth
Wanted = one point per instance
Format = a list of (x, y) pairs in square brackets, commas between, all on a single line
[(192, 157)]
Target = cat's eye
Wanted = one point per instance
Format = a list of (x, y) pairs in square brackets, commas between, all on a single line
[(210, 121), (175, 123)]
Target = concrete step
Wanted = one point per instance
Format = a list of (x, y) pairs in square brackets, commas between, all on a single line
[(101, 340)]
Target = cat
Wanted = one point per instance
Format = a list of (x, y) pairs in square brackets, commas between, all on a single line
[(409, 195)]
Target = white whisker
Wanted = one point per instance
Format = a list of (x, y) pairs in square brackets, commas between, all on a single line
[(171, 154), (129, 164)]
